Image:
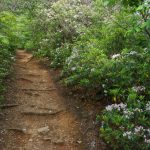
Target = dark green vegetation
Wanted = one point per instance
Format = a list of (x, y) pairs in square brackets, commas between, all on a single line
[(101, 46)]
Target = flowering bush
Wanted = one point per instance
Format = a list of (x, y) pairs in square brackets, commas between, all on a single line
[(128, 72), (126, 125), (59, 25), (119, 76), (83, 68), (115, 61)]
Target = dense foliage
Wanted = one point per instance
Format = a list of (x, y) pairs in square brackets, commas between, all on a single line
[(7, 40), (11, 37), (101, 46)]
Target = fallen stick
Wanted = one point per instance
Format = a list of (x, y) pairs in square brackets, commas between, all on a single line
[(39, 89), (40, 113), (25, 80), (29, 60), (8, 106)]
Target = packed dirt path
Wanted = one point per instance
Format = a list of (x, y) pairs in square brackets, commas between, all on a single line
[(37, 118)]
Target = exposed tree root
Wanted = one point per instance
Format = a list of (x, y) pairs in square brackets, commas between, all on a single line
[(41, 113), (29, 74), (39, 89), (25, 80), (8, 106), (17, 130)]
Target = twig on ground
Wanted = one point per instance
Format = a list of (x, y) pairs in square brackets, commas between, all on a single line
[(29, 60)]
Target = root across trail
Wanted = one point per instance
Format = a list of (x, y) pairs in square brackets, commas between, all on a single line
[(35, 116)]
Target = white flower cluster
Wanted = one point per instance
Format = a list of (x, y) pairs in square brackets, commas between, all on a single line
[(138, 110), (13, 58), (73, 68), (138, 88), (127, 113), (148, 106), (102, 124), (93, 70), (45, 40), (116, 106), (71, 14), (147, 141), (128, 134), (115, 56), (138, 131), (133, 53), (74, 55)]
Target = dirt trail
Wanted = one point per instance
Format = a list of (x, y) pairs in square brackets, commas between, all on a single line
[(41, 120)]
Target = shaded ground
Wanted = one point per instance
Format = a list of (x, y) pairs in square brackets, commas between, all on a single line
[(44, 117)]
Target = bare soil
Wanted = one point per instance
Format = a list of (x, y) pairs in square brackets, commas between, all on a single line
[(39, 115)]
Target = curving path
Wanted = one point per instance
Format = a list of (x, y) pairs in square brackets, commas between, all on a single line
[(35, 116)]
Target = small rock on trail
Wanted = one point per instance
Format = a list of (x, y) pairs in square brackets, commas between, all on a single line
[(43, 130)]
